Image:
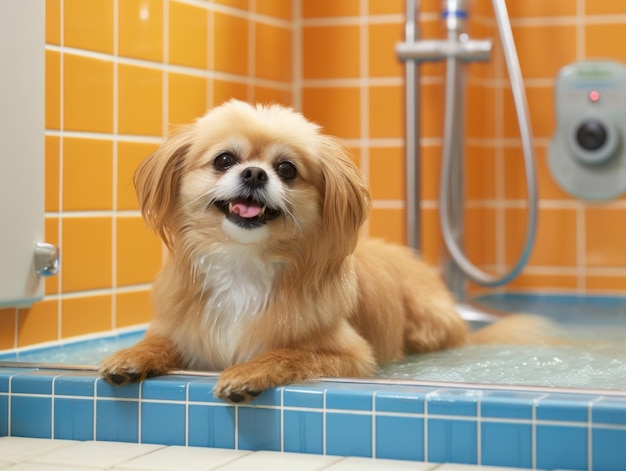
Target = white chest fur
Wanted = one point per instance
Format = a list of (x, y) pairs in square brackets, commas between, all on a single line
[(239, 282)]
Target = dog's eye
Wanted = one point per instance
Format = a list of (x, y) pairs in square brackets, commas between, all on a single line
[(224, 161), (286, 170)]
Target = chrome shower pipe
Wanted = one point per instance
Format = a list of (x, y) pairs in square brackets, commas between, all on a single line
[(412, 148), (413, 51), (456, 49)]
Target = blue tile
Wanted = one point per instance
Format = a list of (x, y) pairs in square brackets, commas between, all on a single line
[(303, 396), (398, 401), (117, 421), (211, 426), (303, 432), (269, 397), (38, 382), (4, 415), (259, 429), (169, 388), (202, 391), (5, 375), (163, 423), (505, 444), (75, 385), (508, 405), (560, 447), (609, 411), (452, 441), (73, 419), (104, 389), (564, 407), (349, 399), (453, 402), (348, 434), (400, 438), (31, 416), (608, 449)]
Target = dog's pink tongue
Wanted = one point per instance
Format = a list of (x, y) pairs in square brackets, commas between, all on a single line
[(246, 209)]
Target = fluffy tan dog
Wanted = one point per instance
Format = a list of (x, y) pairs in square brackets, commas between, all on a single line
[(267, 279)]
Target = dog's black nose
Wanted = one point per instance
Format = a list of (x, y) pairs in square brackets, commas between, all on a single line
[(254, 177)]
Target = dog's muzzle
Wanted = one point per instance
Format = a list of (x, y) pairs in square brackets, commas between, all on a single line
[(249, 210)]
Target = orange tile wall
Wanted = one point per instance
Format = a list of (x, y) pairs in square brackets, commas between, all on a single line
[(121, 73)]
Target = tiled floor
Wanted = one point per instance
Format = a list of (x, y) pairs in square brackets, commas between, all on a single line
[(29, 454)]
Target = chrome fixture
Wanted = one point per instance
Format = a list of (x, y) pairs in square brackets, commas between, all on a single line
[(46, 259), (457, 49)]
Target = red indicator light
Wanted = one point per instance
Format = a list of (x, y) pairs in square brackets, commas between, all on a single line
[(594, 95)]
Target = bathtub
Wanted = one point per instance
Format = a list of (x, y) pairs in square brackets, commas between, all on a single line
[(528, 426)]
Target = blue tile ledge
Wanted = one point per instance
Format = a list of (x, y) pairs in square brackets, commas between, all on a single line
[(490, 426)]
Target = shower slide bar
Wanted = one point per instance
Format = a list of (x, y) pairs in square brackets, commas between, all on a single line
[(457, 49)]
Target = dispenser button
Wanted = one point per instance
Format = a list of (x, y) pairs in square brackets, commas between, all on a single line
[(594, 96), (591, 135)]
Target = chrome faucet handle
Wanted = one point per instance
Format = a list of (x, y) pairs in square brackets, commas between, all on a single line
[(46, 259)]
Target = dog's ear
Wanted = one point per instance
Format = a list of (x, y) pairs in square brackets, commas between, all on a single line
[(156, 182), (346, 196)]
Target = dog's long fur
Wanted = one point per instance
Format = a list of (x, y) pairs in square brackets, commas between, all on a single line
[(295, 297)]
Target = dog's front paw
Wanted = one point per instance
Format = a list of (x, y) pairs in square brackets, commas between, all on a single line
[(123, 368), (239, 384)]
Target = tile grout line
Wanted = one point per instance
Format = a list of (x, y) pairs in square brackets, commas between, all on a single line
[(165, 31), (324, 422), (61, 161), (296, 54), (236, 427), (374, 451), (282, 419), (139, 413), (479, 440), (364, 99), (114, 170), (590, 432), (210, 58), (426, 418), (187, 413), (251, 59), (95, 408), (534, 429), (52, 396), (10, 407)]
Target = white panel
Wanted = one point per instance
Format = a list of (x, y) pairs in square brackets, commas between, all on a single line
[(22, 85)]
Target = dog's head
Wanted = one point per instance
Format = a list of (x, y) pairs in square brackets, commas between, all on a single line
[(260, 175)]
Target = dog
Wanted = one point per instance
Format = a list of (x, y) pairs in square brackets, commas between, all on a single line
[(267, 279)]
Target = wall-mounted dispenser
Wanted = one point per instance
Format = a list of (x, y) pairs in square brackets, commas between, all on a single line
[(587, 153), (24, 257)]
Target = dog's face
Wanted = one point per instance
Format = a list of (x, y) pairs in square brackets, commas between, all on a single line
[(257, 176)]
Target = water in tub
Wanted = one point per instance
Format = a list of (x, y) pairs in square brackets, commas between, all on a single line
[(596, 359)]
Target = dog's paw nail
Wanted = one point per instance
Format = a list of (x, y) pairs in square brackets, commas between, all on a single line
[(117, 379), (236, 397), (254, 393)]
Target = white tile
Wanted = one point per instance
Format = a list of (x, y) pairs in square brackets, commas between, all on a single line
[(195, 459), (368, 464), (15, 449), (276, 461), (95, 454), (47, 467), (4, 464)]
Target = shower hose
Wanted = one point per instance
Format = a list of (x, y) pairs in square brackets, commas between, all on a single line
[(452, 125)]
